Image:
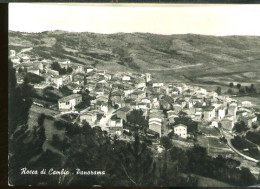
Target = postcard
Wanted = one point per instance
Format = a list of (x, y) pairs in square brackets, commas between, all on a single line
[(158, 95)]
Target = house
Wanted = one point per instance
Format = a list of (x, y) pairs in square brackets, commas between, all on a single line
[(25, 59), (138, 94), (103, 106), (12, 53), (58, 81), (129, 101), (197, 116), (89, 69), (221, 113), (53, 80), (232, 110), (34, 71), (214, 123), (101, 72), (155, 122), (74, 87), (156, 126), (89, 117), (52, 72), (171, 118), (69, 102), (140, 85), (249, 120), (126, 78), (147, 77), (209, 113), (128, 91), (123, 112), (227, 122), (64, 64), (141, 105), (147, 102), (165, 105), (158, 84), (180, 130), (177, 108), (79, 69), (156, 105), (115, 125)]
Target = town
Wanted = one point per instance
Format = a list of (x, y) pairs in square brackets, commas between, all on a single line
[(123, 103)]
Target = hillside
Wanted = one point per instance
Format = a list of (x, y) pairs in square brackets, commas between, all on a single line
[(189, 57)]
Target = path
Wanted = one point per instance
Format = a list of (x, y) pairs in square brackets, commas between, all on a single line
[(229, 137), (107, 118), (25, 50), (175, 68)]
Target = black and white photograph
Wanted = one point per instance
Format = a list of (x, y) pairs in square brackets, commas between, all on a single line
[(134, 95)]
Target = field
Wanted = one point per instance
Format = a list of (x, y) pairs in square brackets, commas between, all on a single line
[(199, 59)]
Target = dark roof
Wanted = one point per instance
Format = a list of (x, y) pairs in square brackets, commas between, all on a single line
[(124, 109), (180, 125), (208, 108), (70, 97)]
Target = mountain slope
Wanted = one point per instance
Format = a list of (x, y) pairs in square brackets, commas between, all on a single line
[(168, 56)]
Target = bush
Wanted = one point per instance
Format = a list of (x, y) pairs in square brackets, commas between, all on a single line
[(240, 127), (253, 137), (33, 78)]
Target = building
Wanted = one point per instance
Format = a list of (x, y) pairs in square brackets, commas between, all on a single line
[(89, 117), (158, 84), (12, 53), (69, 102), (249, 120), (156, 127), (209, 113), (52, 72), (232, 110), (147, 77), (221, 113), (123, 112), (126, 78), (155, 123), (115, 125), (227, 122), (180, 130), (34, 71), (64, 64)]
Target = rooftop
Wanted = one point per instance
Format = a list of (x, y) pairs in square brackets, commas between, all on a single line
[(69, 97)]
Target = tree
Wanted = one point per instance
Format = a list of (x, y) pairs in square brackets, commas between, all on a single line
[(230, 91), (116, 106), (231, 85), (20, 70), (56, 66), (247, 89), (240, 127), (252, 88), (242, 91), (166, 142), (192, 126), (69, 70), (136, 118), (33, 78), (239, 86), (62, 71), (218, 90), (180, 157), (135, 163)]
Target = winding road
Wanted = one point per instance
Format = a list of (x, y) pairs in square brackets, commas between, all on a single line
[(229, 137)]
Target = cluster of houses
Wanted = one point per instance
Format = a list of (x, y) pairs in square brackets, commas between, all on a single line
[(117, 94)]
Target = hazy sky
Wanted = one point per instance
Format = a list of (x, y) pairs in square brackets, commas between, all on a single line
[(160, 19)]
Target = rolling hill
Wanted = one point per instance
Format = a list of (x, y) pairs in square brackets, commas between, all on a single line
[(188, 57)]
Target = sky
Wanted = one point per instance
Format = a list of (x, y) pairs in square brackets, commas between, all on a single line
[(219, 20)]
